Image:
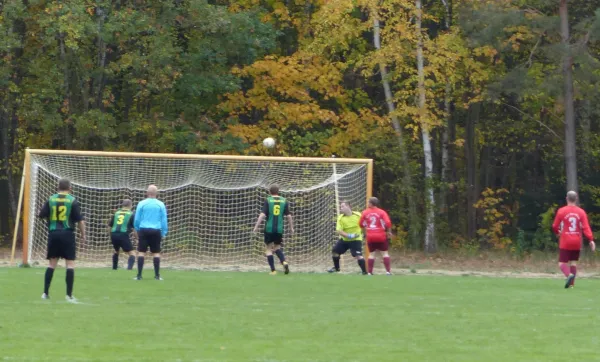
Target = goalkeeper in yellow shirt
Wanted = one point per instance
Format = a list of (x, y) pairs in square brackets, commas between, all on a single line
[(348, 228)]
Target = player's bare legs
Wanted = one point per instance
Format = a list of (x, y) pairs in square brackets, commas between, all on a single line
[(386, 262), (48, 277), (269, 254), (156, 261), (70, 279)]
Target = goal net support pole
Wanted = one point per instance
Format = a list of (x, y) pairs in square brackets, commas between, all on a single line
[(212, 202)]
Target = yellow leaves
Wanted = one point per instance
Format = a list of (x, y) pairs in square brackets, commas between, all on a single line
[(496, 215), (294, 97), (520, 34), (335, 28)]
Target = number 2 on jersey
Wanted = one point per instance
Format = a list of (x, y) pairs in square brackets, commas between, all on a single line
[(276, 210), (62, 213), (373, 223)]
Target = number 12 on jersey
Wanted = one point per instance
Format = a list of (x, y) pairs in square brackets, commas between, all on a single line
[(61, 215)]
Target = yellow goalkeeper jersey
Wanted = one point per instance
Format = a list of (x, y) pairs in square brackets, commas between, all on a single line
[(349, 224)]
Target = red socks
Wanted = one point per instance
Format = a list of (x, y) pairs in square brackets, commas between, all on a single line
[(574, 272), (565, 269), (386, 262)]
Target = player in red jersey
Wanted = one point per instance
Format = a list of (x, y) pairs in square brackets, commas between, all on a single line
[(570, 222), (378, 228)]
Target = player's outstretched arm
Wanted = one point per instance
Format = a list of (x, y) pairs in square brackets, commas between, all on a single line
[(261, 217)]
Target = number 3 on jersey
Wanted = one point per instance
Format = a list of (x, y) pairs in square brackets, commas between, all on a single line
[(120, 219), (62, 213), (573, 227), (276, 210)]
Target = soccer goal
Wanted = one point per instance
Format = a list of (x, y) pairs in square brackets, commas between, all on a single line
[(212, 201)]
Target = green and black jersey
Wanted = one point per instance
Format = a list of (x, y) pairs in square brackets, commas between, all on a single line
[(275, 208), (122, 221), (62, 212)]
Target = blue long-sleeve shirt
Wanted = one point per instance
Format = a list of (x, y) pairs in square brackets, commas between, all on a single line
[(151, 214)]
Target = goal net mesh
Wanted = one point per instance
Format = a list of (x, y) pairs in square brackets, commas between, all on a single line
[(212, 206)]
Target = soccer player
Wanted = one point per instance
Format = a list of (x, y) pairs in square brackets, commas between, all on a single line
[(121, 225), (62, 211), (570, 222), (274, 209), (348, 227), (378, 228), (151, 226)]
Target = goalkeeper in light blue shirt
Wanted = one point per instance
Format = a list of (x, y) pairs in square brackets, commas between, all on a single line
[(151, 226)]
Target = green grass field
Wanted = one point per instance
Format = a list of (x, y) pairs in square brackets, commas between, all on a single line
[(201, 316)]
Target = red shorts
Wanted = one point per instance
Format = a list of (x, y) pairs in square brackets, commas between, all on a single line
[(377, 245), (565, 256)]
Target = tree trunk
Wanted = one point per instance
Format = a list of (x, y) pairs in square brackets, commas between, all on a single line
[(570, 148), (7, 140), (68, 98), (472, 188), (430, 244), (389, 100), (444, 175), (101, 58), (586, 124)]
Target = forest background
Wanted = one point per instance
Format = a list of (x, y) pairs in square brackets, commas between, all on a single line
[(479, 114)]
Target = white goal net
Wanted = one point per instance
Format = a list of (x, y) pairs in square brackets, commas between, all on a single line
[(212, 205)]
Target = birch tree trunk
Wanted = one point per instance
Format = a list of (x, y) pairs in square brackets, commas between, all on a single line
[(430, 244), (389, 100)]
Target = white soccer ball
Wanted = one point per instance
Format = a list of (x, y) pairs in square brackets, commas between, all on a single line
[(269, 142)]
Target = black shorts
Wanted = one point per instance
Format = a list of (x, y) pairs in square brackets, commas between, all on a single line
[(61, 244), (121, 241), (149, 238), (342, 246), (274, 238)]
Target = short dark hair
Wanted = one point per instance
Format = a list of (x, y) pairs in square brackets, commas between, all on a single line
[(374, 201), (64, 184), (127, 203), (274, 189)]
